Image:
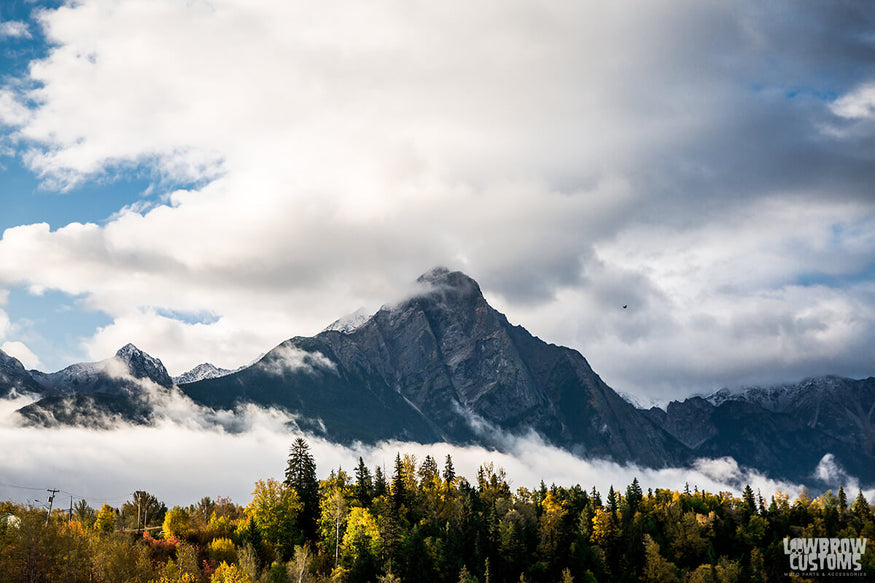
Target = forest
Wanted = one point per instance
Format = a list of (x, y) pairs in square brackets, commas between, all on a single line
[(421, 523)]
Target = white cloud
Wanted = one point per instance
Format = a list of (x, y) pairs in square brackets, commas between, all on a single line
[(572, 158), (858, 104), (14, 29), (169, 459), (287, 358), (20, 351)]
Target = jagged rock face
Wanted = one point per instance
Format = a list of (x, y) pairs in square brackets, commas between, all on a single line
[(784, 429), (14, 378), (689, 421), (433, 368), (455, 358), (119, 374), (143, 366), (97, 394)]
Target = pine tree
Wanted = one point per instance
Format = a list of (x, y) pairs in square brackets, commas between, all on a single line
[(612, 502), (363, 485), (634, 495), (301, 477), (379, 482), (399, 492), (596, 498), (428, 471), (749, 500), (449, 470), (861, 510)]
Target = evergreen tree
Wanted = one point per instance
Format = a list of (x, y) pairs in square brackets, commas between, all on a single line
[(861, 510), (379, 482), (301, 477), (596, 498), (449, 470), (399, 491), (634, 495), (749, 501), (428, 471), (363, 485)]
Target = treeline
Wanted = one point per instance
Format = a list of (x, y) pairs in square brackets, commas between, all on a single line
[(424, 523)]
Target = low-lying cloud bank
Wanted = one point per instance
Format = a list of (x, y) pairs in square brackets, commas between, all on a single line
[(193, 452)]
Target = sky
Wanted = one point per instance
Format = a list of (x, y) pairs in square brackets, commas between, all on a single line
[(208, 178)]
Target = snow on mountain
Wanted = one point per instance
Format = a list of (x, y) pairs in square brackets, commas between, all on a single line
[(118, 372), (778, 398), (201, 372), (350, 322)]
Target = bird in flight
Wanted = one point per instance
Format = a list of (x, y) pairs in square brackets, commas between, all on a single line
[(625, 306)]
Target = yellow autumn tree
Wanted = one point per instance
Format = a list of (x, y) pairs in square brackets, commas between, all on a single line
[(362, 534), (274, 510), (226, 573)]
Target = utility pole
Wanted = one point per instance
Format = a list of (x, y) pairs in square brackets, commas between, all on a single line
[(52, 493), (71, 508)]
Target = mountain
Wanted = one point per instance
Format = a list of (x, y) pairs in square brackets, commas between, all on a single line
[(785, 429), (118, 374), (14, 378), (97, 394), (350, 322), (201, 372), (444, 366)]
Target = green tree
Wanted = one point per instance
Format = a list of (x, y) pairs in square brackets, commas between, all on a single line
[(332, 521), (362, 544), (380, 486), (223, 550), (143, 510), (657, 569), (301, 478), (399, 488), (364, 487), (84, 513), (177, 522), (449, 470), (106, 518), (274, 510), (465, 576)]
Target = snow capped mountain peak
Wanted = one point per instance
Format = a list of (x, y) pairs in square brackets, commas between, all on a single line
[(350, 322), (201, 372), (144, 366)]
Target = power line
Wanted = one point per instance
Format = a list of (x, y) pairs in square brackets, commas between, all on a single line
[(72, 494), (21, 487)]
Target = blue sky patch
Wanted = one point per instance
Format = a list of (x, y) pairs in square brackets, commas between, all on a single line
[(53, 325)]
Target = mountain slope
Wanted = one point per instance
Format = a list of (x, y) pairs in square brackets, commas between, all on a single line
[(786, 429), (97, 394), (119, 374), (14, 378), (437, 366)]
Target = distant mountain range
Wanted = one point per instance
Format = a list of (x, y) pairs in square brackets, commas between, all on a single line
[(446, 366)]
